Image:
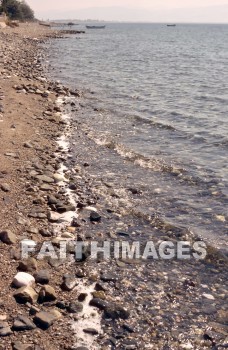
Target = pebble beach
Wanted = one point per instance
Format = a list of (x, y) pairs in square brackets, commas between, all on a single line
[(50, 195)]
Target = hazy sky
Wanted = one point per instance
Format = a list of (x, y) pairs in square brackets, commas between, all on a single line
[(132, 10)]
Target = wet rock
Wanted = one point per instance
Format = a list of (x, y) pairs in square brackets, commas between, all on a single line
[(69, 282), (75, 307), (82, 297), (91, 331), (29, 265), (108, 277), (65, 208), (23, 279), (4, 329), (22, 323), (99, 294), (47, 293), (42, 277), (99, 303), (5, 187), (61, 305), (95, 217), (8, 237), (25, 295), (116, 311)]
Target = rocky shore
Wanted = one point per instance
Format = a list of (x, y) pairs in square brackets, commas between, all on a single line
[(48, 195)]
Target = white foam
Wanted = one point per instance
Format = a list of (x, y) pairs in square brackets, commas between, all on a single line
[(89, 317)]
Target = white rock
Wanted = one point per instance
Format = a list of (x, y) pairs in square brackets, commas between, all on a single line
[(58, 178), (208, 296), (23, 279)]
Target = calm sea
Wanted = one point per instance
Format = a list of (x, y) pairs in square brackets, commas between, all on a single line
[(155, 105)]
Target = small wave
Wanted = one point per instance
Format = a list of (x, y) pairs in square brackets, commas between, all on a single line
[(154, 123)]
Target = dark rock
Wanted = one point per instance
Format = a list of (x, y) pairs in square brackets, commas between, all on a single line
[(42, 277), (69, 282), (99, 303), (4, 329), (108, 277), (28, 265), (82, 297), (116, 311), (91, 331), (22, 323), (44, 319), (52, 200), (75, 308), (61, 305), (95, 217), (8, 237), (45, 233)]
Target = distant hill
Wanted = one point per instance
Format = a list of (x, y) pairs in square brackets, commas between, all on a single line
[(211, 14)]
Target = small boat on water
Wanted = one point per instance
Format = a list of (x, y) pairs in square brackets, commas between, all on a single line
[(95, 27), (171, 25), (46, 24)]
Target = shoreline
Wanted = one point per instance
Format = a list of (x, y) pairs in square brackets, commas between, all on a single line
[(143, 306)]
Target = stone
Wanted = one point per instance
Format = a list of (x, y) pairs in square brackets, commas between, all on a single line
[(81, 348), (53, 217), (23, 279), (66, 208), (46, 187), (47, 293), (75, 308), (82, 297), (28, 145), (4, 329), (25, 295), (69, 282), (116, 311), (8, 237), (99, 303), (22, 323), (208, 296), (99, 294), (5, 187), (91, 331), (95, 217), (28, 265), (20, 346), (108, 277), (44, 319), (42, 277), (58, 178), (52, 200), (45, 178)]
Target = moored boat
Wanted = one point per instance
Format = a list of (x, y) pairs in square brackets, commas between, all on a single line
[(95, 27)]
